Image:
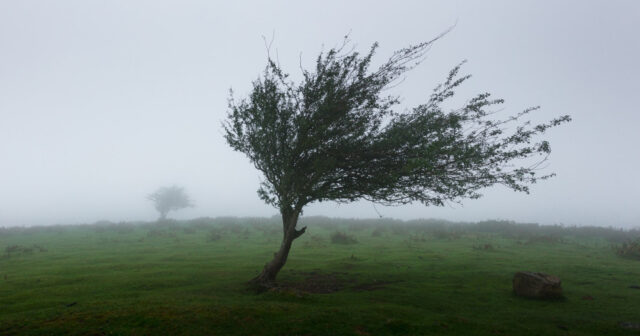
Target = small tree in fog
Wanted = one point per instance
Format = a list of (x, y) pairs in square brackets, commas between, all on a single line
[(336, 135), (167, 199)]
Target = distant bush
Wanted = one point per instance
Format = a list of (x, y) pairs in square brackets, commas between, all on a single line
[(377, 232), (39, 248), (214, 235), (630, 249), (415, 238), (484, 247), (236, 229), (168, 224), (123, 228), (320, 222), (189, 230), (19, 249), (445, 234), (160, 233), (101, 226), (269, 230), (342, 238), (315, 241), (244, 234)]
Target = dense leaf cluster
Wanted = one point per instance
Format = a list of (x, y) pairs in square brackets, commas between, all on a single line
[(335, 135)]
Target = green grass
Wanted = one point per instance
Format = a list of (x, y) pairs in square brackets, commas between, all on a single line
[(171, 279)]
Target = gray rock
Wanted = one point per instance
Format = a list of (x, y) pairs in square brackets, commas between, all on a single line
[(629, 325), (537, 285)]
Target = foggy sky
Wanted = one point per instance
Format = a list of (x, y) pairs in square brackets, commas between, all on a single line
[(101, 102)]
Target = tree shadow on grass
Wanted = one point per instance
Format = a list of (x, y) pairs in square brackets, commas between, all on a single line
[(301, 283)]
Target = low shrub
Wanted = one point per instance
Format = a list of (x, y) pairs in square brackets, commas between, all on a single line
[(342, 238), (244, 234), (377, 232), (484, 247), (160, 233), (315, 241), (39, 248), (214, 235), (415, 238), (189, 230), (630, 249), (19, 249)]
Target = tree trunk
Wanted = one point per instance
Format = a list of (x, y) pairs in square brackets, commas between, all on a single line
[(267, 277)]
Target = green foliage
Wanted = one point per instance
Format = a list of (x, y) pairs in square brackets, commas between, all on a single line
[(167, 199), (336, 135)]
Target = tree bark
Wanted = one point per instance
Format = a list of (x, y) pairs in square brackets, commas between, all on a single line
[(267, 277)]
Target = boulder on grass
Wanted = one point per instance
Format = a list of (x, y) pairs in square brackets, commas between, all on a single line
[(537, 285)]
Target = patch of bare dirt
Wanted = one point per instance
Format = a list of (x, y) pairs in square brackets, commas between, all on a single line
[(316, 282)]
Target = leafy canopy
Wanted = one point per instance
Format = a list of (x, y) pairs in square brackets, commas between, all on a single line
[(335, 135), (172, 198)]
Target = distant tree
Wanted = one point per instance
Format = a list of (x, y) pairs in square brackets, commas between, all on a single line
[(167, 199), (335, 136)]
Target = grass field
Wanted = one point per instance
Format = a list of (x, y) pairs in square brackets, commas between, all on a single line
[(399, 278)]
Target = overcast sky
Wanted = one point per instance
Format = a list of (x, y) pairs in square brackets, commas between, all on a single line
[(101, 102)]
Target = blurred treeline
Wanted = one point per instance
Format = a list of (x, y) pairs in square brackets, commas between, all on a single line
[(272, 226)]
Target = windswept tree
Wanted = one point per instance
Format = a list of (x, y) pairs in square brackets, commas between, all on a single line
[(337, 135), (167, 199)]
